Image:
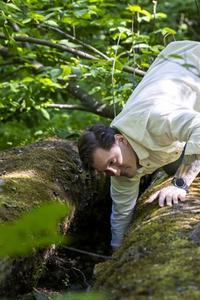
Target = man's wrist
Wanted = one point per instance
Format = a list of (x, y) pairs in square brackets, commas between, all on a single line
[(180, 182)]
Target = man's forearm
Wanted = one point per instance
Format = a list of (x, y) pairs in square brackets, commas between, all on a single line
[(189, 168), (124, 193), (119, 224)]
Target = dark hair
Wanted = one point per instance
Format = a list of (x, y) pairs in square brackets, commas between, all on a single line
[(95, 136)]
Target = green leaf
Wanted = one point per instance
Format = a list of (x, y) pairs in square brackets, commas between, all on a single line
[(134, 8), (46, 82), (37, 228), (146, 13), (13, 6), (7, 31), (51, 23), (169, 30), (37, 17), (45, 113), (160, 15), (28, 79), (55, 72), (118, 65), (26, 21), (66, 71), (69, 44)]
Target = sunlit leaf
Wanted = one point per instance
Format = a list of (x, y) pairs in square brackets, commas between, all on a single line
[(168, 30), (160, 15), (66, 71), (13, 6), (37, 228), (69, 44), (51, 23), (134, 8), (37, 17)]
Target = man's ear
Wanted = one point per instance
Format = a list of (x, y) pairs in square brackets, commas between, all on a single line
[(119, 138)]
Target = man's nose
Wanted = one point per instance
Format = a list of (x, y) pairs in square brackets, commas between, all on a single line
[(113, 171)]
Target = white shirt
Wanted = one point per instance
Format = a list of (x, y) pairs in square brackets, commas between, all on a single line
[(159, 117)]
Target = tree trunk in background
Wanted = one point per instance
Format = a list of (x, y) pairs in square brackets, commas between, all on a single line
[(44, 171), (160, 256)]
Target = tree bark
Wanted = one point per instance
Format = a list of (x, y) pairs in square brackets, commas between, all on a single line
[(160, 256), (44, 171)]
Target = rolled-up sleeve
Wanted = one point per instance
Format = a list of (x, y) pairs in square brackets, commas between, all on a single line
[(124, 193)]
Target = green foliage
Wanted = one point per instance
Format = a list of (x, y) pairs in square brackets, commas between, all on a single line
[(37, 228), (36, 72), (74, 296), (33, 127)]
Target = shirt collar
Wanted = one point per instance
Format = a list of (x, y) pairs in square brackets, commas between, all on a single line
[(140, 150)]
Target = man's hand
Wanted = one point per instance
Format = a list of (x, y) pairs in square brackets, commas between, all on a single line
[(169, 195)]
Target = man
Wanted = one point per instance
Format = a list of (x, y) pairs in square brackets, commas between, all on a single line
[(159, 124)]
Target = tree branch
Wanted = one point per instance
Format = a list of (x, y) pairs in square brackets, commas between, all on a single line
[(67, 49), (63, 48), (90, 109), (91, 103), (67, 106), (134, 71)]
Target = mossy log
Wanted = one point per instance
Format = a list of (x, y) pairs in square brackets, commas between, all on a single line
[(160, 256), (45, 171)]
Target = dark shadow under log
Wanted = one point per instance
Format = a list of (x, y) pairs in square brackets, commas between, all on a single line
[(160, 256), (45, 171)]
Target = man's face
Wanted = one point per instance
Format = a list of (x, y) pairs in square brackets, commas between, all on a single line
[(120, 160)]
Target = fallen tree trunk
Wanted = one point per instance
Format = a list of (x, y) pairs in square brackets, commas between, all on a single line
[(45, 171), (160, 256)]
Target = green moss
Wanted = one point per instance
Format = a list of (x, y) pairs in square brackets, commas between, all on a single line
[(30, 177), (159, 258)]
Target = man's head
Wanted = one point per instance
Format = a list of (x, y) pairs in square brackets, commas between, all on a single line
[(105, 149)]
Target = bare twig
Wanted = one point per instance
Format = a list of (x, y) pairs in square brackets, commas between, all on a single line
[(87, 253)]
